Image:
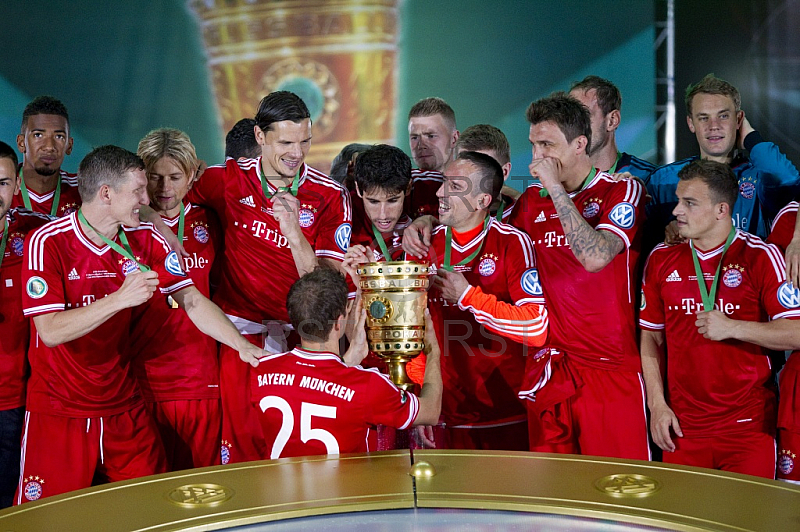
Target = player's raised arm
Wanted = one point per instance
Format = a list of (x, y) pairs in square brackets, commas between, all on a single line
[(430, 397)]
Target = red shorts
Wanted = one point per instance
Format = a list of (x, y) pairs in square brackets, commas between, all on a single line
[(788, 456), (751, 453), (61, 454), (242, 438), (190, 430), (606, 416)]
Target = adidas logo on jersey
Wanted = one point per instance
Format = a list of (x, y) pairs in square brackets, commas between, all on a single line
[(540, 218), (73, 275), (674, 276), (248, 201)]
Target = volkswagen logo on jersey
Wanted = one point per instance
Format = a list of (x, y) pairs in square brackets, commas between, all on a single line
[(173, 264), (747, 189), (129, 266), (343, 236), (18, 246), (591, 210), (530, 282), (200, 234), (623, 215), (487, 266), (306, 218), (788, 296), (36, 287), (33, 488)]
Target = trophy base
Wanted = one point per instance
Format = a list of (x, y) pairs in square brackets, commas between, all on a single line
[(397, 372)]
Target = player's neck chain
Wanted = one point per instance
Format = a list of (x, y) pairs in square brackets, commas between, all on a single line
[(265, 189), (26, 199), (4, 241), (709, 295), (448, 239), (127, 252)]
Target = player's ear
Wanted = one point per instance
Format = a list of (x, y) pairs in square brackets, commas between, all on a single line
[(581, 142), (723, 210), (614, 119), (358, 192), (409, 187), (260, 136), (690, 123), (506, 170)]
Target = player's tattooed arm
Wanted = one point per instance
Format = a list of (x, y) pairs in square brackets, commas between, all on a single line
[(594, 249)]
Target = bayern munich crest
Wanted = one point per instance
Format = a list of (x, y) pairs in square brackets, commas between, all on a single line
[(747, 188), (225, 452), (32, 488), (786, 461), (732, 276), (68, 208), (200, 233), (488, 265), (17, 244), (591, 208), (129, 266), (306, 215)]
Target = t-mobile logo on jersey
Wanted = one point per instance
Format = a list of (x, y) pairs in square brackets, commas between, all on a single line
[(260, 230), (692, 306), (194, 262), (552, 238)]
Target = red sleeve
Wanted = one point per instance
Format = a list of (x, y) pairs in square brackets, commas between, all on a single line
[(783, 227), (780, 299), (623, 210), (526, 324), (388, 405), (335, 227), (42, 276), (209, 190), (651, 309)]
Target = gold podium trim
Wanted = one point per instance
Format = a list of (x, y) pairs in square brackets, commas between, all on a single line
[(688, 499)]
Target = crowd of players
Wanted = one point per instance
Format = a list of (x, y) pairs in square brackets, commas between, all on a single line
[(158, 315)]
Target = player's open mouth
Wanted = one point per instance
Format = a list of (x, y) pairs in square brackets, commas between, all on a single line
[(291, 164), (384, 225), (443, 207)]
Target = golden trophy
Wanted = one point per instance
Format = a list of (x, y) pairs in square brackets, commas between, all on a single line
[(337, 55), (395, 295)]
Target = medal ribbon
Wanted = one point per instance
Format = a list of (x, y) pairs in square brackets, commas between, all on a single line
[(181, 221), (708, 296), (613, 168), (127, 252), (3, 242), (381, 243), (26, 200), (448, 244), (265, 188), (500, 209)]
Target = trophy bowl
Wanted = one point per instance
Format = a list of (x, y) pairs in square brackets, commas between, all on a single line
[(395, 295)]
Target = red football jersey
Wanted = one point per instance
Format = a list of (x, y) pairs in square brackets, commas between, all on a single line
[(782, 229), (257, 268), (68, 202), (14, 327), (592, 315), (482, 370), (422, 199), (312, 403), (171, 358), (89, 376), (717, 387)]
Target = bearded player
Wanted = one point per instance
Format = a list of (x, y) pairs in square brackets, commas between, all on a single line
[(14, 327), (175, 364), (280, 218), (710, 340), (83, 275)]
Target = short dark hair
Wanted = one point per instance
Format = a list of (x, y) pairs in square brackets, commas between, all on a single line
[(44, 105), (7, 152), (241, 140), (434, 106), (570, 115), (315, 302), (383, 167), (484, 137), (491, 173), (279, 106), (608, 95), (341, 162), (719, 177), (710, 84), (106, 165)]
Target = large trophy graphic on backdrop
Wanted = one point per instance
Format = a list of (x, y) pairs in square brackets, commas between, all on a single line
[(395, 295), (337, 55)]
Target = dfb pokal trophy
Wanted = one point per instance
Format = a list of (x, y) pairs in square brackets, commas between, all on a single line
[(395, 295)]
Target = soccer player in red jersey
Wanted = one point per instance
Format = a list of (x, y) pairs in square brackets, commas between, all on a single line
[(486, 309), (432, 135), (310, 402), (280, 217), (14, 327), (711, 307), (83, 275), (175, 364), (586, 229), (781, 235), (44, 141)]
